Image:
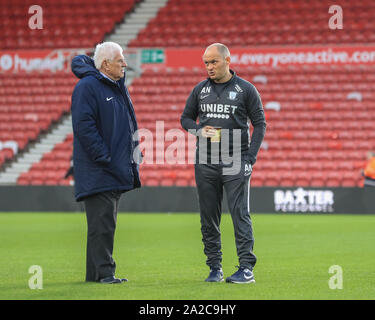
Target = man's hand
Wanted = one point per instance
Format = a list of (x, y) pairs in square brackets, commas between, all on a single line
[(208, 132)]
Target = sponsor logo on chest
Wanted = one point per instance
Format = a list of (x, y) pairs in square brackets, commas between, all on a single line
[(218, 110)]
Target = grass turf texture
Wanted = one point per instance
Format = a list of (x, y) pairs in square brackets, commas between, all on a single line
[(162, 256)]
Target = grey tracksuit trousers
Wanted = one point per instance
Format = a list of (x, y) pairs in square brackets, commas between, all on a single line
[(210, 184)]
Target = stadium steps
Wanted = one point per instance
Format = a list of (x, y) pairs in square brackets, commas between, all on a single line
[(47, 142), (136, 21)]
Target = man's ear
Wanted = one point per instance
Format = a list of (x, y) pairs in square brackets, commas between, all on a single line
[(227, 59), (105, 64)]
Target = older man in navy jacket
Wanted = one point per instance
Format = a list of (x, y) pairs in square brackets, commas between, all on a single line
[(104, 154)]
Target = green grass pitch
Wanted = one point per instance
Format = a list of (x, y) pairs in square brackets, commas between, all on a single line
[(162, 256)]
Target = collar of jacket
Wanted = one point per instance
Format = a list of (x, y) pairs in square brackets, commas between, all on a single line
[(108, 81)]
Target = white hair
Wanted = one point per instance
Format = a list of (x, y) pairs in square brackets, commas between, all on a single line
[(105, 51)]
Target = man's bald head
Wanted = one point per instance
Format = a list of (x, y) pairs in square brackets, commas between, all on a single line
[(221, 48), (217, 59)]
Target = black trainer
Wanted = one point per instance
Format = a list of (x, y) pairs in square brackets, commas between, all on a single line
[(216, 275)]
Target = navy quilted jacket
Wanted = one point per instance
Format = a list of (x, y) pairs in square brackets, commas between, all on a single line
[(105, 156)]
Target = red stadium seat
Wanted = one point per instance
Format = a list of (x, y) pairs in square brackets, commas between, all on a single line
[(250, 26), (317, 138)]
